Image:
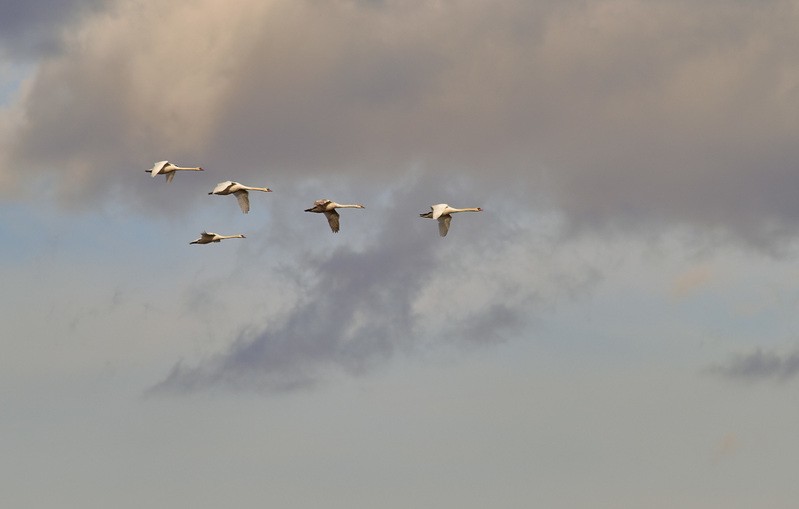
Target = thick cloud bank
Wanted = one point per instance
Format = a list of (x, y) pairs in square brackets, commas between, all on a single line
[(620, 111), (357, 306)]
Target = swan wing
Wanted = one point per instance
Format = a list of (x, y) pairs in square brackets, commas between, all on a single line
[(332, 220), (318, 206), (204, 238), (222, 187), (443, 225), (438, 210), (158, 167), (244, 200), (170, 176)]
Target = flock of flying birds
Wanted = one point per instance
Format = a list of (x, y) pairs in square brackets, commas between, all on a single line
[(441, 212)]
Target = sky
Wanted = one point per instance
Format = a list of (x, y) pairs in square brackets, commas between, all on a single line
[(619, 326)]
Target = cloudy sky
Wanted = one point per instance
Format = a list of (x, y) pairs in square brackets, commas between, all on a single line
[(618, 328)]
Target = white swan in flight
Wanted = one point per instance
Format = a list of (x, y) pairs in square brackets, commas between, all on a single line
[(328, 208), (443, 212), (208, 237), (169, 169), (240, 191)]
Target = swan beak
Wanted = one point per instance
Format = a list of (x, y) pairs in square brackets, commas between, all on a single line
[(243, 237), (202, 169), (479, 209), (268, 190)]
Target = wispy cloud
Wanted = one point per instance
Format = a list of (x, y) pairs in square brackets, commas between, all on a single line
[(760, 365), (357, 310)]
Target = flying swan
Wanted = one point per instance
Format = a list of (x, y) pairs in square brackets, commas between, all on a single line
[(240, 191), (169, 169), (442, 212), (208, 237), (328, 208)]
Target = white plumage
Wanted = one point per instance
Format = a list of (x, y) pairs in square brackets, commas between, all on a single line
[(240, 191), (169, 169), (208, 237), (442, 212)]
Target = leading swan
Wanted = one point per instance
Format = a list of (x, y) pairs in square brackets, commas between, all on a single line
[(443, 212)]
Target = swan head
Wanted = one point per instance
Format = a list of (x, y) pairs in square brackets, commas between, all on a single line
[(479, 209)]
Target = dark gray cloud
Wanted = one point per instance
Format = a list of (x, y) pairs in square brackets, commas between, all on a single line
[(357, 309), (760, 365)]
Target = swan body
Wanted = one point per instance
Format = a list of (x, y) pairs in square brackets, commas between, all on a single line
[(328, 208), (208, 237), (169, 169), (240, 191), (443, 213)]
